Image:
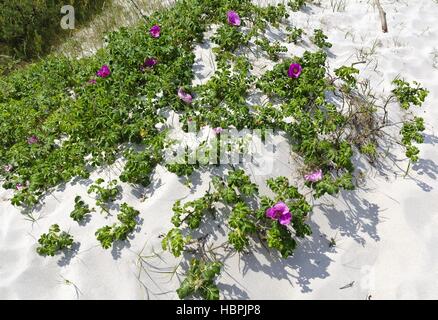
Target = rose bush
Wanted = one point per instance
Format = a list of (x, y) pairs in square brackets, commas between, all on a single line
[(61, 117)]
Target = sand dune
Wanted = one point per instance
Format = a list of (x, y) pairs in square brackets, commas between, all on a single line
[(385, 232)]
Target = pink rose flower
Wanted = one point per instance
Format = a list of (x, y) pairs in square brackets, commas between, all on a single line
[(295, 70), (184, 96), (103, 72), (233, 18), (148, 63), (155, 31), (280, 212)]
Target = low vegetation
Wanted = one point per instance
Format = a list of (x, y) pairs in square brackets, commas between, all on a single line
[(61, 118)]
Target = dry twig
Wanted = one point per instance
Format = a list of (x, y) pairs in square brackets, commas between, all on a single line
[(382, 16)]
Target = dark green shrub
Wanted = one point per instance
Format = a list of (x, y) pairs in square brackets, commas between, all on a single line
[(28, 28)]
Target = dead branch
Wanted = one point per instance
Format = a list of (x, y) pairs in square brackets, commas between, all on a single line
[(382, 16)]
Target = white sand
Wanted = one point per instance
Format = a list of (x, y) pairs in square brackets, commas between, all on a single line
[(386, 233)]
